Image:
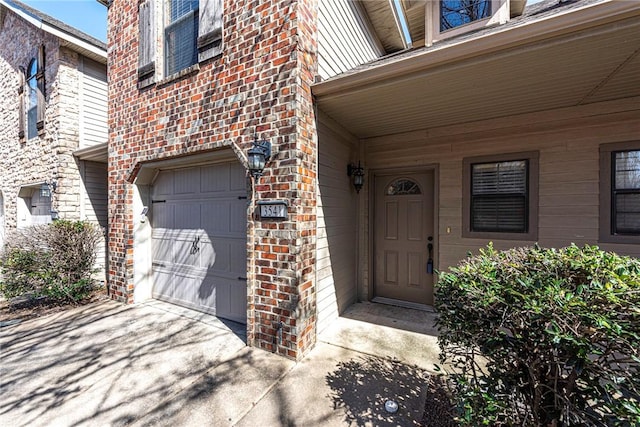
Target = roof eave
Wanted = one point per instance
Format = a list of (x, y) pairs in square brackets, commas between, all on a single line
[(553, 26), (72, 41)]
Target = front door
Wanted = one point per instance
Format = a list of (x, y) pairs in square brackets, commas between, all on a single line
[(403, 235)]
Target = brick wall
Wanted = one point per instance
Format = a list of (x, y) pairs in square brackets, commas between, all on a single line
[(49, 155), (260, 85)]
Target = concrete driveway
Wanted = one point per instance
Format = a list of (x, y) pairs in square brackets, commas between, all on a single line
[(157, 364)]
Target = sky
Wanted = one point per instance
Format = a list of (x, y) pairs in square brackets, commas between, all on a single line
[(88, 16)]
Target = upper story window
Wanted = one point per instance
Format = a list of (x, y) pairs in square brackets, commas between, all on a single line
[(500, 199), (191, 32), (180, 35), (35, 97), (620, 192), (32, 99), (454, 13), (451, 18)]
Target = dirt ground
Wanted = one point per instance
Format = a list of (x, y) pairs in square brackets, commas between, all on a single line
[(21, 309)]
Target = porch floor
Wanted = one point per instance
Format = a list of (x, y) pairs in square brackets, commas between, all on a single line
[(408, 335)]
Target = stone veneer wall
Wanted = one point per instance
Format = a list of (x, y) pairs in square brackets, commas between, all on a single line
[(260, 84), (49, 155)]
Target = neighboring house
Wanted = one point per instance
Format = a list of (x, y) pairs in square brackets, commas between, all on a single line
[(53, 108), (485, 121)]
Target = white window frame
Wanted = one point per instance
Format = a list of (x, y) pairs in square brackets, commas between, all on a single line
[(500, 10)]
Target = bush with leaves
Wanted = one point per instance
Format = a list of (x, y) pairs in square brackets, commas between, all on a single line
[(54, 260), (542, 337)]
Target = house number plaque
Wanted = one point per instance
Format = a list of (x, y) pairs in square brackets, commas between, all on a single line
[(272, 209)]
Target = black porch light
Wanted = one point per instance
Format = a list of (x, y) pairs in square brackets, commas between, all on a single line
[(358, 175), (258, 156)]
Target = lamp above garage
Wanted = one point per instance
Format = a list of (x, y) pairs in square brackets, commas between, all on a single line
[(258, 156)]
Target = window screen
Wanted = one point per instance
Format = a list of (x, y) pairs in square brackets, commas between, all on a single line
[(625, 216), (454, 13), (499, 196), (181, 34)]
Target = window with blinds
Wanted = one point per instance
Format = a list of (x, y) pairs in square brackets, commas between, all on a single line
[(625, 218), (499, 197), (181, 34)]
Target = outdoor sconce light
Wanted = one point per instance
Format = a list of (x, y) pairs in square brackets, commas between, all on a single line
[(358, 175), (48, 188), (258, 156)]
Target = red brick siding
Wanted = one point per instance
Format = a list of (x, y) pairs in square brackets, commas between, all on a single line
[(260, 84)]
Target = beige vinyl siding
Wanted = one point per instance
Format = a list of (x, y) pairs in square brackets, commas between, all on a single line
[(568, 143), (337, 237), (93, 103), (94, 204), (343, 40)]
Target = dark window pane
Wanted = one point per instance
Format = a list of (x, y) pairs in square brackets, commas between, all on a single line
[(32, 107), (499, 214), (180, 43), (626, 193), (179, 8), (627, 170), (499, 197), (454, 13), (403, 187), (627, 218)]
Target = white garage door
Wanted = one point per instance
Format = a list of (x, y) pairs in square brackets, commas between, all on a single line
[(199, 238)]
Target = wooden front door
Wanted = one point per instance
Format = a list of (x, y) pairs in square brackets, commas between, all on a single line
[(403, 227)]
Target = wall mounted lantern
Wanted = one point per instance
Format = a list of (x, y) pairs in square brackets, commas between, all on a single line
[(358, 175), (258, 156), (48, 188)]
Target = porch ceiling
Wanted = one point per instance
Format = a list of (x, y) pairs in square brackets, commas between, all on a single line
[(478, 79)]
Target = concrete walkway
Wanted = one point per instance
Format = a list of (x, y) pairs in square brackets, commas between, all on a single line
[(157, 364)]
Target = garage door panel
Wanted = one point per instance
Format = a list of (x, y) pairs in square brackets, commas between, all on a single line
[(186, 181), (162, 251), (199, 240), (214, 179), (185, 255), (238, 212), (238, 258), (221, 248), (163, 184), (237, 178), (187, 216), (216, 217), (162, 214)]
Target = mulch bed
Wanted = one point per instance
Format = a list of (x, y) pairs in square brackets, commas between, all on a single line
[(24, 308), (438, 411)]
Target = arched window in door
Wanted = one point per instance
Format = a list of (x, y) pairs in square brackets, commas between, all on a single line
[(403, 187)]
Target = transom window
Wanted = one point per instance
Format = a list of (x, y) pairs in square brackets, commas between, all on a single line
[(625, 193), (181, 34), (454, 13), (403, 187)]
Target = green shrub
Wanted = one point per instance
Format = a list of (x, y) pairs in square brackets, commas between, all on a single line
[(54, 260), (543, 337)]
